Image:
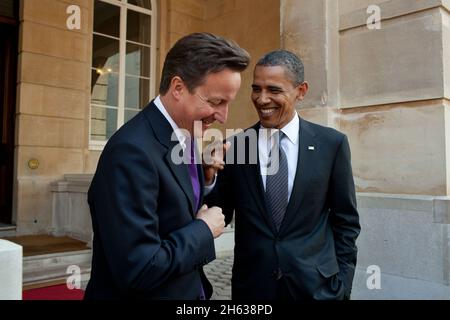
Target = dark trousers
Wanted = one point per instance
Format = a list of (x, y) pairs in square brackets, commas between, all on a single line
[(283, 292)]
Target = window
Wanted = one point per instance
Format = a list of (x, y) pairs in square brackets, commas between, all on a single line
[(123, 64)]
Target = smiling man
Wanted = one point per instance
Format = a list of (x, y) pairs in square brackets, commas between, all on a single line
[(296, 226), (151, 238)]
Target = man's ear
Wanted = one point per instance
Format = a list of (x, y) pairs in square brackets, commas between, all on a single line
[(177, 88), (302, 89)]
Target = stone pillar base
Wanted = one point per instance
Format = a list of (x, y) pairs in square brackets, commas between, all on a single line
[(10, 271), (408, 238)]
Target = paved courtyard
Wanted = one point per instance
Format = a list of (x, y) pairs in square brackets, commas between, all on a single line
[(219, 274)]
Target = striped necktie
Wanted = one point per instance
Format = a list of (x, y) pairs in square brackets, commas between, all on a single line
[(277, 193)]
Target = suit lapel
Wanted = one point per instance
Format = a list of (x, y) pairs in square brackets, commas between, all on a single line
[(255, 184), (163, 133), (181, 174), (305, 167)]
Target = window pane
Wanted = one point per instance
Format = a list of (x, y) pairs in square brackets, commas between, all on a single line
[(136, 93), (103, 123), (129, 114), (138, 27), (138, 60), (105, 54), (141, 3), (8, 8), (106, 18), (104, 88)]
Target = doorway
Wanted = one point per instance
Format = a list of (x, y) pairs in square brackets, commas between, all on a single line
[(9, 27)]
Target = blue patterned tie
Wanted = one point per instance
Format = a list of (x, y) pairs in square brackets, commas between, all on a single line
[(277, 193)]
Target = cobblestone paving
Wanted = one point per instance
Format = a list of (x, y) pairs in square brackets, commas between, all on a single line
[(219, 274)]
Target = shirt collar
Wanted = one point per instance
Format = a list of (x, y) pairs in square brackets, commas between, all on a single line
[(178, 132), (291, 129)]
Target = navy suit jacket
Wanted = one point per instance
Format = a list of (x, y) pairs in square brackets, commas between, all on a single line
[(147, 243), (314, 251)]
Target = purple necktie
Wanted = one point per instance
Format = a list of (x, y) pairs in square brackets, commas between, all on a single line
[(193, 173)]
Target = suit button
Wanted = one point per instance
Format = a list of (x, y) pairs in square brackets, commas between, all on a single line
[(277, 274)]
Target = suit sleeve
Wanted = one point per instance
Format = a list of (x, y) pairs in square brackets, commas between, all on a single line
[(344, 214), (124, 200)]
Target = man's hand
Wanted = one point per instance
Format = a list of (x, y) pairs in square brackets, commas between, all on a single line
[(214, 218), (213, 160)]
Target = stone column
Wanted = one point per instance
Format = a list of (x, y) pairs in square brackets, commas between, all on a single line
[(10, 271), (310, 29), (388, 90)]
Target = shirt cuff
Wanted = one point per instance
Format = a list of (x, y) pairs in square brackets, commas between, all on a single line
[(210, 188)]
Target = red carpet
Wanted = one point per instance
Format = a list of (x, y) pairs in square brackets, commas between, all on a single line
[(58, 292)]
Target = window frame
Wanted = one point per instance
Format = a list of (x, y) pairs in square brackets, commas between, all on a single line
[(124, 7)]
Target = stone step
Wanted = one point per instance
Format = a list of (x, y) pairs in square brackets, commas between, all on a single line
[(7, 230), (54, 267)]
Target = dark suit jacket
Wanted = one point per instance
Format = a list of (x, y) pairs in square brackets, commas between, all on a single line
[(147, 244), (314, 252)]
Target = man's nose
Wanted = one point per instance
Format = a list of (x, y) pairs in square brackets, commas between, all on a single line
[(221, 114), (263, 98)]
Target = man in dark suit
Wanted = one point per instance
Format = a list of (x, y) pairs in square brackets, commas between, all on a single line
[(151, 238), (295, 226)]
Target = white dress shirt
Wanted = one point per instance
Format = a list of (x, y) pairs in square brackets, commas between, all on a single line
[(289, 143), (180, 133)]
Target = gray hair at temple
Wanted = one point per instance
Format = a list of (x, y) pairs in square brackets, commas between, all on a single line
[(290, 61)]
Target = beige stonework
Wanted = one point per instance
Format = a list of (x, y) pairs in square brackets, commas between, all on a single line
[(53, 13), (325, 116), (398, 149), (354, 14), (255, 26), (180, 22), (51, 71), (51, 132), (184, 17), (347, 6), (192, 8), (50, 41), (81, 3), (90, 160), (51, 101), (310, 29), (384, 66), (447, 142), (446, 48), (53, 162), (35, 205), (53, 95)]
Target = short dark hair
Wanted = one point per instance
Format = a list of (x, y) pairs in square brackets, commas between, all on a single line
[(290, 61), (195, 56)]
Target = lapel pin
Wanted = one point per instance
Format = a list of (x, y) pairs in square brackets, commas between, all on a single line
[(311, 148)]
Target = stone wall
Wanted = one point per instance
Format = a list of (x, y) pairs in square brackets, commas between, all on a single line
[(255, 26), (387, 89), (52, 106)]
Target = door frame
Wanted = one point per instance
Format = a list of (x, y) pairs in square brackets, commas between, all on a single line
[(9, 29)]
